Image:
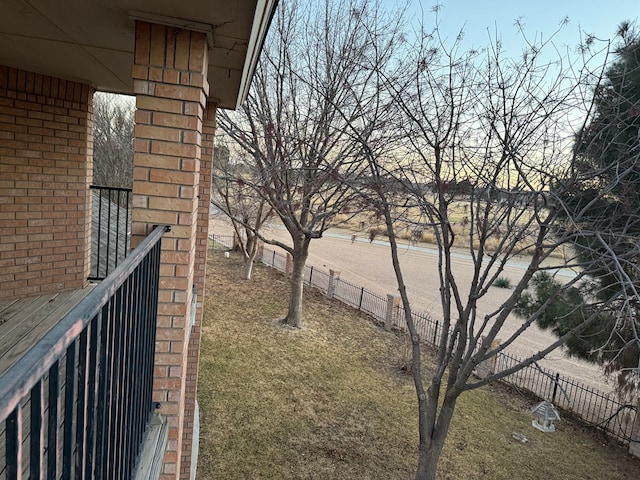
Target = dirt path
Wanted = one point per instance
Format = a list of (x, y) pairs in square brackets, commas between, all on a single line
[(369, 265)]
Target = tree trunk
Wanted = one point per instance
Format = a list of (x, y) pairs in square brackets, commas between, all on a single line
[(429, 454), (294, 314), (248, 267), (428, 463), (249, 257)]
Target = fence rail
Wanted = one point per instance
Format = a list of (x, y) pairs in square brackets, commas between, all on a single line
[(220, 242), (593, 406), (77, 403)]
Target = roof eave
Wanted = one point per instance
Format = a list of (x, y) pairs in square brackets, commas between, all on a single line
[(265, 9)]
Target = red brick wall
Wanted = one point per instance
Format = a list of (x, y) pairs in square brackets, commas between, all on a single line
[(169, 77), (46, 142)]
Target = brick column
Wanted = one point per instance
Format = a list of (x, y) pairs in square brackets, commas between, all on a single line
[(393, 305), (202, 238), (169, 76), (46, 166), (334, 276)]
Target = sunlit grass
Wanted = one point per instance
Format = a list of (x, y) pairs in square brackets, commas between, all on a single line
[(329, 401)]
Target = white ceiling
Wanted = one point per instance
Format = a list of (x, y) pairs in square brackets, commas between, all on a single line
[(93, 40)]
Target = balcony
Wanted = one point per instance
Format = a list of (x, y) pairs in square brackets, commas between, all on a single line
[(76, 375), (47, 132)]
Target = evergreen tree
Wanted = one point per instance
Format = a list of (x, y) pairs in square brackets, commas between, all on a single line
[(607, 154)]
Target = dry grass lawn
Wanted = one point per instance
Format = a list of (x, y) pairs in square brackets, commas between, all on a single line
[(329, 402)]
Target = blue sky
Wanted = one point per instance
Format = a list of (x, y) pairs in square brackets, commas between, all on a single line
[(599, 18)]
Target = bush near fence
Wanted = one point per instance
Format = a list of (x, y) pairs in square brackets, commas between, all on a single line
[(596, 408)]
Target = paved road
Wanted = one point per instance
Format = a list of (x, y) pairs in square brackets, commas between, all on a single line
[(369, 265)]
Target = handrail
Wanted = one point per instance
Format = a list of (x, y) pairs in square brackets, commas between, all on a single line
[(29, 369)]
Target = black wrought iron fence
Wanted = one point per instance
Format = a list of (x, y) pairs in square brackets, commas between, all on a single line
[(595, 407), (348, 293), (373, 304), (316, 277), (77, 403), (110, 229), (220, 242)]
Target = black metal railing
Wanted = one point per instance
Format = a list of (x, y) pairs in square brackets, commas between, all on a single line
[(77, 403), (220, 242), (110, 229)]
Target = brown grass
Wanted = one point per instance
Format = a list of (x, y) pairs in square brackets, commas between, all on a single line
[(329, 401)]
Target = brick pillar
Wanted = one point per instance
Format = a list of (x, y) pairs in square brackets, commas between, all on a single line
[(46, 166), (334, 276), (169, 76), (191, 420), (390, 318), (488, 366)]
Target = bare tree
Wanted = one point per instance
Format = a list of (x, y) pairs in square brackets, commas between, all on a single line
[(609, 147), (302, 154), (113, 140), (247, 210), (495, 134)]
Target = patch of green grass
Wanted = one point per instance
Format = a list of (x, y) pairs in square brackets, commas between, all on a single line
[(328, 401)]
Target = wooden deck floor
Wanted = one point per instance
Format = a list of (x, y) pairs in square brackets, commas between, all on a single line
[(26, 320)]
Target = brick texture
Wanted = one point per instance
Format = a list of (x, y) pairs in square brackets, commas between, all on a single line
[(46, 151), (169, 78), (202, 237)]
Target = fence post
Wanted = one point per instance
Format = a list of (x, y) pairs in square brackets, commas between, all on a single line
[(488, 366), (634, 444), (361, 297), (334, 276), (392, 304), (273, 259), (311, 276), (398, 318), (435, 333)]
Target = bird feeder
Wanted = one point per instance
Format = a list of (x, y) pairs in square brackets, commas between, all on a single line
[(544, 414)]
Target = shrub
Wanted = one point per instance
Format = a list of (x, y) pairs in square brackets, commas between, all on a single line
[(502, 282)]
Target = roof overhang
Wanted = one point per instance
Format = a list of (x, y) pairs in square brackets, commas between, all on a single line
[(92, 41)]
